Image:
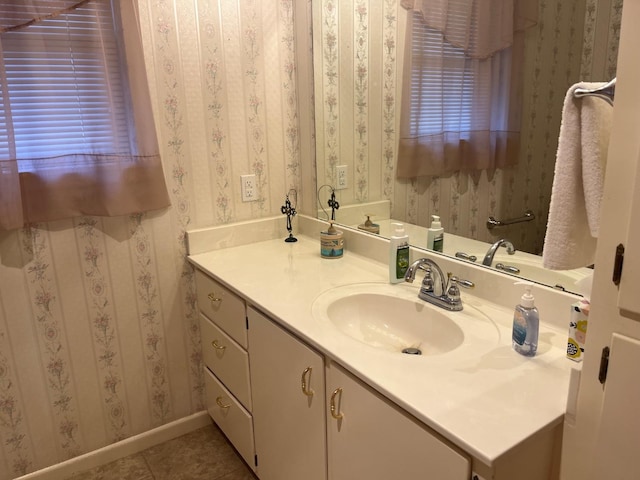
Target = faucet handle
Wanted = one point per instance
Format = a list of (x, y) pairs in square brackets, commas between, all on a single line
[(453, 292), (463, 283), (427, 281), (466, 256)]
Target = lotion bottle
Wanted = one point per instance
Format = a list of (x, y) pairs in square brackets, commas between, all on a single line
[(526, 323), (398, 254), (435, 235)]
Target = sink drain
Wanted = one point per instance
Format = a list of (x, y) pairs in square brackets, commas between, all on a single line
[(412, 351)]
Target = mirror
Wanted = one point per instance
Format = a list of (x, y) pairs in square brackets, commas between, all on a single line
[(358, 50)]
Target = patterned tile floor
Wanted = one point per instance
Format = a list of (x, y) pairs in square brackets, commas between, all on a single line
[(204, 454)]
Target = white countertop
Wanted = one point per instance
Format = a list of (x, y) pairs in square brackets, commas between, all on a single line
[(486, 403)]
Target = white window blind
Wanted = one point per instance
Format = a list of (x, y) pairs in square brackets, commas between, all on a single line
[(73, 141), (62, 84), (449, 92)]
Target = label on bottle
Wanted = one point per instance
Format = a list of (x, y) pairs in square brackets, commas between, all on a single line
[(519, 334), (438, 243), (402, 261)]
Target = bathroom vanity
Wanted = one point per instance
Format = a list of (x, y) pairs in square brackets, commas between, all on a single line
[(299, 396)]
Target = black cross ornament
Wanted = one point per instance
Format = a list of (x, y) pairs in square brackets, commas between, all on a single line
[(290, 212)]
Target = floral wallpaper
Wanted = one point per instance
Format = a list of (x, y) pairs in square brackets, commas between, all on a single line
[(99, 335), (355, 45), (99, 338), (359, 82)]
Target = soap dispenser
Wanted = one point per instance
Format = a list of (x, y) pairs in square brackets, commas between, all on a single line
[(369, 226), (331, 242), (398, 254), (526, 323), (435, 235)]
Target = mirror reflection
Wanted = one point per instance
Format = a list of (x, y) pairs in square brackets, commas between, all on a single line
[(359, 52)]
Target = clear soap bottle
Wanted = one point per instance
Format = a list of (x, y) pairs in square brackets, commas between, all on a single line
[(526, 323)]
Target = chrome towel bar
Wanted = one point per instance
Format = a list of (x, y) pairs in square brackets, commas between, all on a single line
[(606, 92), (493, 223)]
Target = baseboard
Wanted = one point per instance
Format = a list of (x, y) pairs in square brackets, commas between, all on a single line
[(121, 449)]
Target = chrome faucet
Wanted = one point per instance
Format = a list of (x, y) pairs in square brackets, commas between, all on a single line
[(488, 258), (447, 296)]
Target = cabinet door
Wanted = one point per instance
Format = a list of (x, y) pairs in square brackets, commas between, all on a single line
[(376, 440), (619, 432), (287, 384)]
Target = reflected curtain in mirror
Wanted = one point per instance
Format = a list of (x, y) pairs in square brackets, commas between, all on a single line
[(462, 91), (77, 135)]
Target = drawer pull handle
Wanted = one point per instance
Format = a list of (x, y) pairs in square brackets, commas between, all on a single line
[(335, 413), (214, 300), (215, 345), (221, 404), (304, 383)]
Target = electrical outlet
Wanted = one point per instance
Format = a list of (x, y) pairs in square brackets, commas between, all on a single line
[(248, 183), (341, 177)]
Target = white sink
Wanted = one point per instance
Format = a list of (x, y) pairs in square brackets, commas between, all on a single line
[(393, 318)]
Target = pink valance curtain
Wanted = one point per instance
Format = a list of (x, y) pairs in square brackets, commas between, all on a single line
[(122, 177), (481, 40), (490, 24)]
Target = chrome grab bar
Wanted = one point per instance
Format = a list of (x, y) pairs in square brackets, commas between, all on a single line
[(493, 223)]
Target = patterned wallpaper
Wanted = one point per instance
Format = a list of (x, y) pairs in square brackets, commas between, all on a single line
[(358, 84), (99, 336)]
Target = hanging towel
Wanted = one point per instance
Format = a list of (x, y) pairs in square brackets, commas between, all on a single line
[(574, 213)]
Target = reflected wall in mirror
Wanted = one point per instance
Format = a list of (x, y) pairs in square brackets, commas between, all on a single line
[(358, 55)]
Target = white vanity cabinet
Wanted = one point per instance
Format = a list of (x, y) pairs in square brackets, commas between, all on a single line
[(370, 437), (294, 414), (223, 327), (287, 380)]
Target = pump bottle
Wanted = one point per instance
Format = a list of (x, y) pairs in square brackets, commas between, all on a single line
[(398, 254), (526, 323), (435, 234)]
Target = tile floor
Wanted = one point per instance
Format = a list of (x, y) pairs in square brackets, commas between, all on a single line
[(204, 454)]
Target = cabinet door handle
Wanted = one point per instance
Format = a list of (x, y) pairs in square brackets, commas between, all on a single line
[(221, 404), (215, 301), (304, 383), (215, 345), (335, 413)]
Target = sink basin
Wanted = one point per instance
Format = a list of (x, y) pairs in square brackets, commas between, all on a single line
[(393, 318)]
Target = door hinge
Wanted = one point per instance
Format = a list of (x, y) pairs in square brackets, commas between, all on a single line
[(604, 365), (617, 264), (255, 459), (246, 322)]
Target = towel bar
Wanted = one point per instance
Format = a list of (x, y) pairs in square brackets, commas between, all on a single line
[(606, 92), (493, 223)]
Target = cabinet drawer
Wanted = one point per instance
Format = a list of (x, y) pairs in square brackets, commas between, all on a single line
[(225, 308), (227, 360), (231, 417)]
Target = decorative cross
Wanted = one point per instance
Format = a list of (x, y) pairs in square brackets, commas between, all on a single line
[(333, 203), (290, 212)]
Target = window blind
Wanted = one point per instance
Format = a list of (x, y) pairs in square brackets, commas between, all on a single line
[(63, 86), (449, 92)]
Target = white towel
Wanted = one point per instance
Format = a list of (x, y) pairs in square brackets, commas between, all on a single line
[(574, 213)]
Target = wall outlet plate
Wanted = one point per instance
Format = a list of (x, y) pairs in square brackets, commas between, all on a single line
[(342, 178), (248, 187)]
